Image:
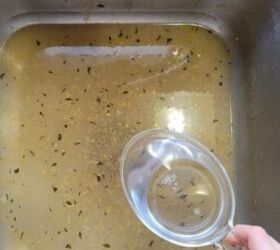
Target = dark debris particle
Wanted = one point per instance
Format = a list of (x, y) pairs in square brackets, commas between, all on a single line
[(169, 40), (158, 38), (59, 137), (54, 164), (215, 120), (120, 34), (65, 126), (89, 70), (98, 177), (215, 68), (190, 205), (136, 30), (80, 212), (183, 196), (80, 235), (68, 99), (151, 243), (69, 203), (207, 74), (144, 90), (21, 235), (100, 5), (78, 70), (184, 68), (192, 183), (54, 189), (220, 83), (212, 150), (98, 100), (38, 42), (65, 230), (110, 39), (32, 152), (16, 171), (125, 92), (2, 75), (77, 143), (161, 197), (64, 61), (68, 246), (210, 31), (138, 40), (99, 163), (50, 71), (106, 245)]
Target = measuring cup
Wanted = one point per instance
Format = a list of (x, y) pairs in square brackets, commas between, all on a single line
[(177, 188)]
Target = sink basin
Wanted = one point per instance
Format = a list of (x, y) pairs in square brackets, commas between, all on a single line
[(244, 136)]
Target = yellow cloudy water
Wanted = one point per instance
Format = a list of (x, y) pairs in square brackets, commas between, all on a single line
[(71, 97)]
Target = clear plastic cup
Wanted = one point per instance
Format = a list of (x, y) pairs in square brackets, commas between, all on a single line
[(177, 188)]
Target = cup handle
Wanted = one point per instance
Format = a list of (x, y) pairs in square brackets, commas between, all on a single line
[(220, 245)]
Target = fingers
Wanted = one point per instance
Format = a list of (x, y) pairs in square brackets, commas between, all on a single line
[(252, 237)]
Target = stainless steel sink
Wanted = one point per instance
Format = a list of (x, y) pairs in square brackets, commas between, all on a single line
[(252, 31)]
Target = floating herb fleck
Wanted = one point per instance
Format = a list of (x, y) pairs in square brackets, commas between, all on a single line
[(98, 177), (151, 243), (183, 196), (80, 212), (16, 171), (59, 137), (158, 38), (54, 189), (69, 203), (68, 246), (169, 40), (120, 34), (32, 152), (89, 70), (106, 245)]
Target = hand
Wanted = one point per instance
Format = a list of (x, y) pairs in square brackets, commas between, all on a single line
[(251, 238)]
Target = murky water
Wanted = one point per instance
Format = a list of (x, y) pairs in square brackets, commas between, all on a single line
[(71, 97)]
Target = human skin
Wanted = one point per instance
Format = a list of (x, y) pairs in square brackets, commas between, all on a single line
[(251, 238)]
